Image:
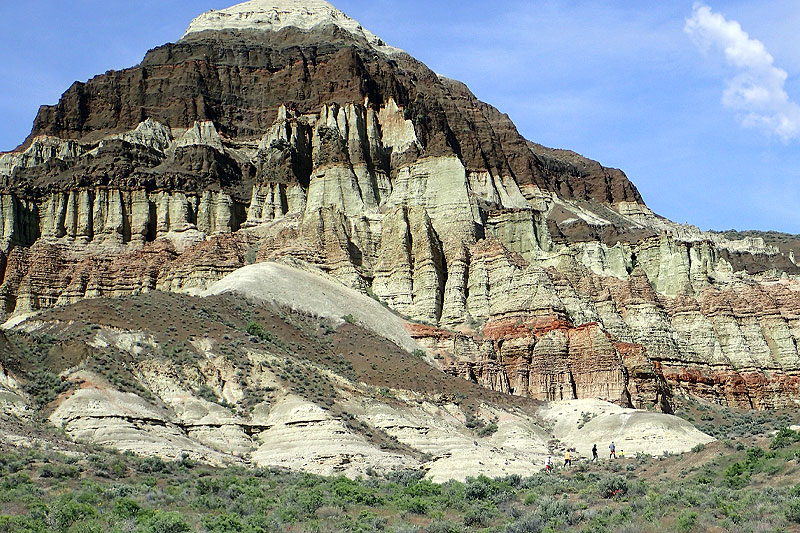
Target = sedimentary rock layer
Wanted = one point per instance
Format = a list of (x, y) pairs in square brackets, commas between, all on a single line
[(537, 271)]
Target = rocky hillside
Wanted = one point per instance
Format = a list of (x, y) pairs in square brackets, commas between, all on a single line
[(284, 131), (229, 380)]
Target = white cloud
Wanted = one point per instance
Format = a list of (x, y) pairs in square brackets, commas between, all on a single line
[(758, 89)]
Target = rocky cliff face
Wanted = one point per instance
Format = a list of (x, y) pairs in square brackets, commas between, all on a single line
[(277, 132)]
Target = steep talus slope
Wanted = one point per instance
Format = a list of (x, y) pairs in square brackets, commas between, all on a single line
[(277, 131)]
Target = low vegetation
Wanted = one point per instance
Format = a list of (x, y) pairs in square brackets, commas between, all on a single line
[(750, 489)]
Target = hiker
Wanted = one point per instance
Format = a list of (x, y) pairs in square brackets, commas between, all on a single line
[(594, 453), (548, 466), (622, 454), (613, 448), (567, 459)]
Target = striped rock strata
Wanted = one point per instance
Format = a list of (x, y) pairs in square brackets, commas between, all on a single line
[(267, 134)]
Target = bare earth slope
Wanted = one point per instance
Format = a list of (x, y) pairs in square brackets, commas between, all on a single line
[(286, 131), (318, 295)]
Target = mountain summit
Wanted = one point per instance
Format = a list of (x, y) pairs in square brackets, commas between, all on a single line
[(276, 15)]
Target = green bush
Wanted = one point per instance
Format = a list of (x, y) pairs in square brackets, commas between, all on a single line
[(784, 438), (488, 430), (737, 475), (257, 330), (126, 508), (443, 526), (479, 488), (45, 386), (793, 510), (687, 521), (67, 512), (350, 491), (613, 487), (479, 515), (19, 524), (224, 523), (530, 523), (169, 522), (414, 504), (698, 448), (405, 477)]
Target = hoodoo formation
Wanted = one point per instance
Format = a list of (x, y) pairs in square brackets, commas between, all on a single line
[(284, 131)]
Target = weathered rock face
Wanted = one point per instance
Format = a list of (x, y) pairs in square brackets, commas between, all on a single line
[(282, 132)]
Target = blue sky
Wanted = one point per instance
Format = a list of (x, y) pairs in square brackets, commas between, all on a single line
[(707, 135)]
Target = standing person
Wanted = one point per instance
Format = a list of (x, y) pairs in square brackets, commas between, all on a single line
[(594, 453), (548, 466), (613, 448), (567, 459)]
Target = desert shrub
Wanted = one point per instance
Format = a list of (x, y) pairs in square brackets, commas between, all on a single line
[(126, 508), (251, 255), (350, 491), (793, 510), (67, 512), (551, 513), (784, 438), (14, 524), (737, 475), (585, 418), (613, 487), (369, 521), (478, 488), (697, 448), (169, 522), (480, 515), (149, 465), (257, 330), (413, 504), (444, 526), (423, 488), (687, 521), (488, 430), (530, 523), (45, 386), (224, 523), (58, 471), (405, 477), (309, 500), (558, 511), (207, 393), (350, 319)]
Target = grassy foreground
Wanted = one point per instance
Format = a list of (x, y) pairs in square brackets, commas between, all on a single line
[(724, 486)]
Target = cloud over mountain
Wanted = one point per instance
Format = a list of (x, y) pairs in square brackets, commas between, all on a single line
[(757, 91)]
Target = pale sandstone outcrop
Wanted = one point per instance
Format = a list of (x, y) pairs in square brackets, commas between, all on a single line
[(13, 400), (41, 150), (581, 423), (128, 423), (149, 133), (202, 133)]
